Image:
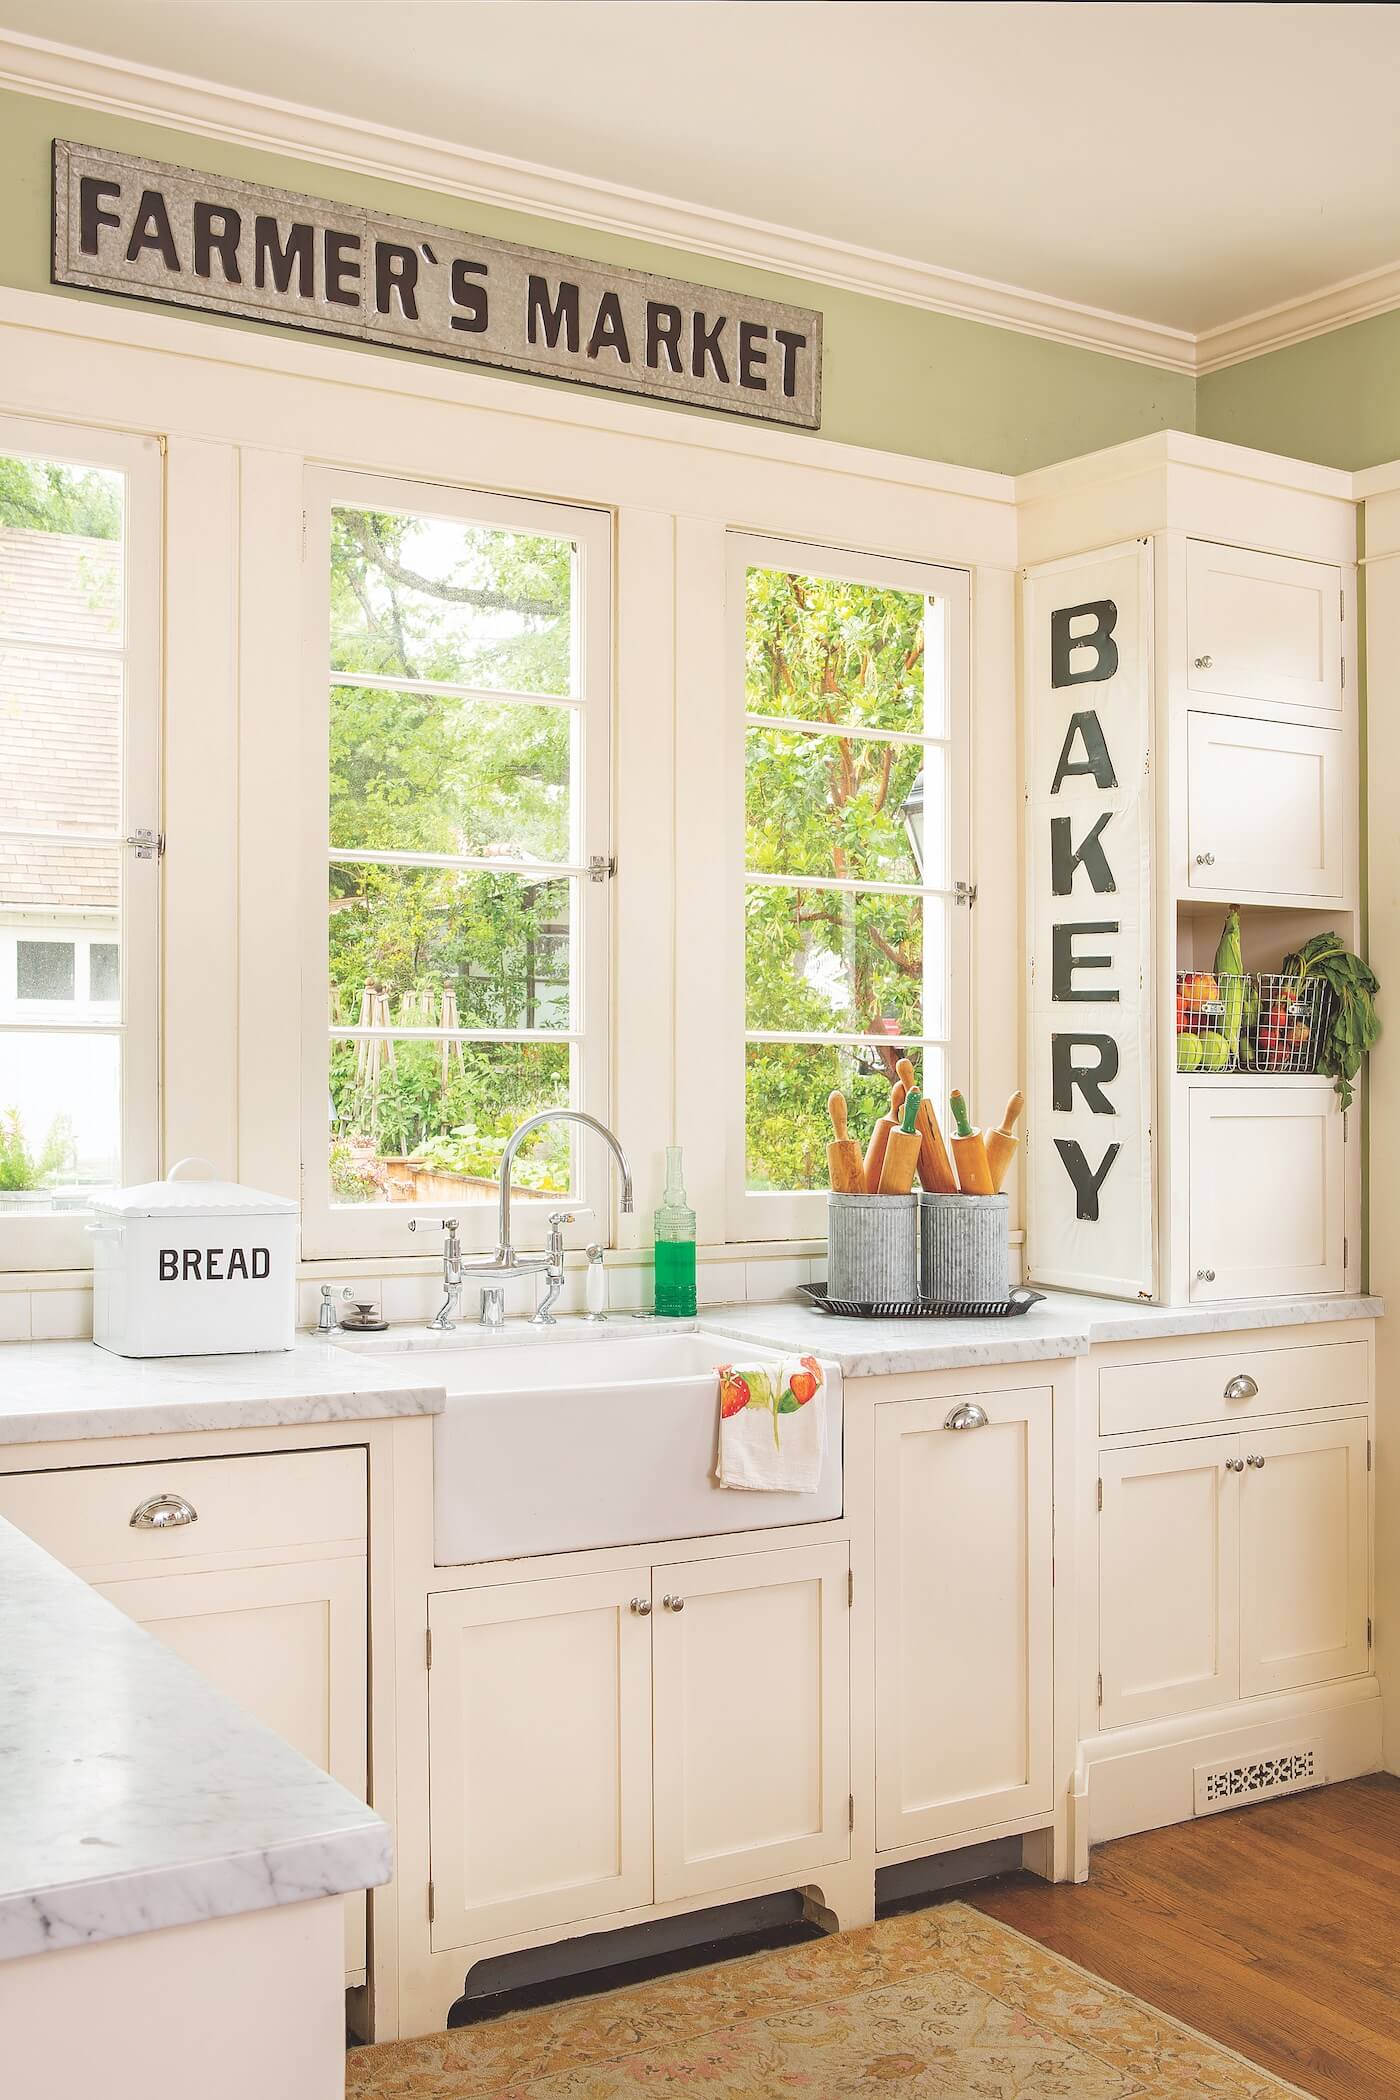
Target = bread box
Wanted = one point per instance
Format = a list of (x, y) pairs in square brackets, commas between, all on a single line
[(193, 1266)]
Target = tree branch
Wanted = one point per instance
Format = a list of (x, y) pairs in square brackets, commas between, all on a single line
[(449, 593)]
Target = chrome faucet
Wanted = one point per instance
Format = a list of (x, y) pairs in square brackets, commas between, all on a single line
[(453, 1270)]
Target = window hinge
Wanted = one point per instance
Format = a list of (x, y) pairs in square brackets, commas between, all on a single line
[(1100, 1687), (850, 1811), (146, 845), (1100, 1491), (432, 1903), (850, 1585), (429, 1647), (965, 893), (602, 867)]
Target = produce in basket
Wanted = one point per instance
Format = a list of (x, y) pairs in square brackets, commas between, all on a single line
[(1352, 1025), (1229, 971)]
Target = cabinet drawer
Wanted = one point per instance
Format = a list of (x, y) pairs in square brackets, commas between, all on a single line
[(252, 1505), (1193, 1389)]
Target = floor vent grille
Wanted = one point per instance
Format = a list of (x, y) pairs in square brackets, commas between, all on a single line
[(1234, 1781)]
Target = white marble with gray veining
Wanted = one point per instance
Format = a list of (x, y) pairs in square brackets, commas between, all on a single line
[(57, 1390), (1063, 1325), (132, 1794)]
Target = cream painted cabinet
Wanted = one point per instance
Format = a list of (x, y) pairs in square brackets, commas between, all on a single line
[(751, 1729), (1263, 627), (1267, 1196), (964, 1658), (1264, 805), (1304, 1561), (1168, 1579)]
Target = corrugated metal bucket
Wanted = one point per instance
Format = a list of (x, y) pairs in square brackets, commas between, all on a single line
[(873, 1249), (964, 1249)]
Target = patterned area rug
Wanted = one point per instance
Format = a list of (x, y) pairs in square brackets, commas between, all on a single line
[(942, 2003)]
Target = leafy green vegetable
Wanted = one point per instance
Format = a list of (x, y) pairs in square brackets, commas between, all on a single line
[(1354, 1024)]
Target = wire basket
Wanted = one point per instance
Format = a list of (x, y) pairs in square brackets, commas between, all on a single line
[(1260, 1023)]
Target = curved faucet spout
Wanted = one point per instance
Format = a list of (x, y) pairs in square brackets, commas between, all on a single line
[(517, 1138)]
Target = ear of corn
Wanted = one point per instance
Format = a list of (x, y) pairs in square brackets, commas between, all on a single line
[(1229, 973)]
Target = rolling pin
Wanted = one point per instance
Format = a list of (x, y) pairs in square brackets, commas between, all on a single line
[(970, 1152), (935, 1167), (844, 1165), (902, 1153), (1001, 1145), (880, 1137)]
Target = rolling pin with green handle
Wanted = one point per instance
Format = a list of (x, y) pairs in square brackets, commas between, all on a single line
[(844, 1165), (935, 1168), (969, 1152), (1001, 1144), (902, 1153), (880, 1137)]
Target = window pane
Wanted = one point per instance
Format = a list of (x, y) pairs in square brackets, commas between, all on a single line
[(60, 1118), (60, 729), (60, 553), (838, 961), (826, 805), (786, 1086), (46, 888), (104, 972), (831, 651), (428, 1122), (425, 773), (44, 970), (422, 597), (424, 939)]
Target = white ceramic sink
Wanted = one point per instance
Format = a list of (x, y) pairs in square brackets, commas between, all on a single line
[(583, 1437)]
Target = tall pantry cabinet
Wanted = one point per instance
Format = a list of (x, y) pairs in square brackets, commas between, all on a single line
[(1256, 1174)]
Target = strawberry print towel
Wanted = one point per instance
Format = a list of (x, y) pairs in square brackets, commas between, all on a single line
[(772, 1426)]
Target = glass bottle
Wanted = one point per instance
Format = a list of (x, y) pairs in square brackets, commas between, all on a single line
[(675, 1245)]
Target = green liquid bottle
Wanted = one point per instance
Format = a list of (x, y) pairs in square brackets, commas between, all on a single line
[(675, 1245)]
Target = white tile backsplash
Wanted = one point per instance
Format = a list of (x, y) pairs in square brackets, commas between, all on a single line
[(768, 1280), (720, 1282)]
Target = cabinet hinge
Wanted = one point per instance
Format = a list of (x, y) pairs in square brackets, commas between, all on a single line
[(1342, 603), (1346, 1250), (428, 1647), (303, 535), (1368, 1633), (1100, 1491), (1368, 1454), (850, 1811), (1344, 674), (432, 1904), (850, 1586), (1100, 1687)]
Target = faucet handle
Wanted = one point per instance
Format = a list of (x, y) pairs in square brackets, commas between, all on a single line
[(570, 1217)]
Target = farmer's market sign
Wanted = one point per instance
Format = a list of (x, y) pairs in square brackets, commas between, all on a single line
[(1088, 728), (147, 230)]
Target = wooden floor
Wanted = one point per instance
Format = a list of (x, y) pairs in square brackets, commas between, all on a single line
[(1275, 1930)]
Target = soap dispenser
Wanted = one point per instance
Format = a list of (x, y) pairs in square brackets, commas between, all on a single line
[(675, 1245)]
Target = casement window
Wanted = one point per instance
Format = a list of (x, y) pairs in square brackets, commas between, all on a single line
[(849, 675), (79, 825), (458, 679)]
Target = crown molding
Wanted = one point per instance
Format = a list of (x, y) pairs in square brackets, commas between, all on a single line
[(1298, 320), (89, 80)]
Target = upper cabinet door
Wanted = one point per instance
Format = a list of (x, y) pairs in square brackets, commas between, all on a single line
[(1262, 627), (1303, 1555), (1264, 808), (964, 1654), (751, 1718), (1267, 1200)]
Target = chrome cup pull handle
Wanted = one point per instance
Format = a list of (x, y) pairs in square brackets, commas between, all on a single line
[(967, 1415), (163, 1513), (1241, 1387)]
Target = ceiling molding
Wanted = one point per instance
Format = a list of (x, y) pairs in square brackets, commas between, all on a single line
[(117, 87)]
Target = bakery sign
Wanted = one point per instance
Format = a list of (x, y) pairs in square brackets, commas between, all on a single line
[(147, 230), (1088, 694)]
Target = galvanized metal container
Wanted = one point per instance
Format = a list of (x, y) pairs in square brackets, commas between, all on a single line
[(873, 1248), (964, 1248)]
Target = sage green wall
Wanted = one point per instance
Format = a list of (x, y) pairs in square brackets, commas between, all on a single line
[(1335, 399), (894, 377)]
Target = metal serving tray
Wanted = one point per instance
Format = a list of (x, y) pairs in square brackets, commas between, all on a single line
[(1018, 1301)]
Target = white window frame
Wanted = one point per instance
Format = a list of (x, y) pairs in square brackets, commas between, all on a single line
[(801, 1215), (337, 1230), (36, 1242)]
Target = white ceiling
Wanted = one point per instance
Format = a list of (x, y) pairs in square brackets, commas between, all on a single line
[(1185, 165)]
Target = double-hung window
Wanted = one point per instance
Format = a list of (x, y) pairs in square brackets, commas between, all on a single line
[(851, 673), (79, 824), (458, 651)]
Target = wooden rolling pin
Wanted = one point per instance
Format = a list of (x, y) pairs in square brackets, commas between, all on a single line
[(1001, 1144), (844, 1165), (935, 1167), (970, 1152), (902, 1153), (880, 1137)]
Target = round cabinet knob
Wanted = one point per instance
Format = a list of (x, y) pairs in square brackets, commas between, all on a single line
[(1255, 1460), (1241, 1387), (163, 1513), (967, 1415), (1203, 663), (1234, 1465), (641, 1606), (1205, 860), (674, 1603), (1205, 1275)]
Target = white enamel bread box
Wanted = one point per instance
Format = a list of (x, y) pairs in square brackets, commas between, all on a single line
[(193, 1266)]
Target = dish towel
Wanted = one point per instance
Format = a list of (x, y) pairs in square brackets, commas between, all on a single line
[(772, 1426)]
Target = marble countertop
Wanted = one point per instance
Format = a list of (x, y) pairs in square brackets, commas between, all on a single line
[(57, 1390), (135, 1796), (1065, 1324)]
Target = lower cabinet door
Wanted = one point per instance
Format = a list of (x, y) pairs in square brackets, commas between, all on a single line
[(288, 1643), (1267, 1190), (752, 1663), (1169, 1579), (539, 1708), (964, 1656), (1304, 1563)]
